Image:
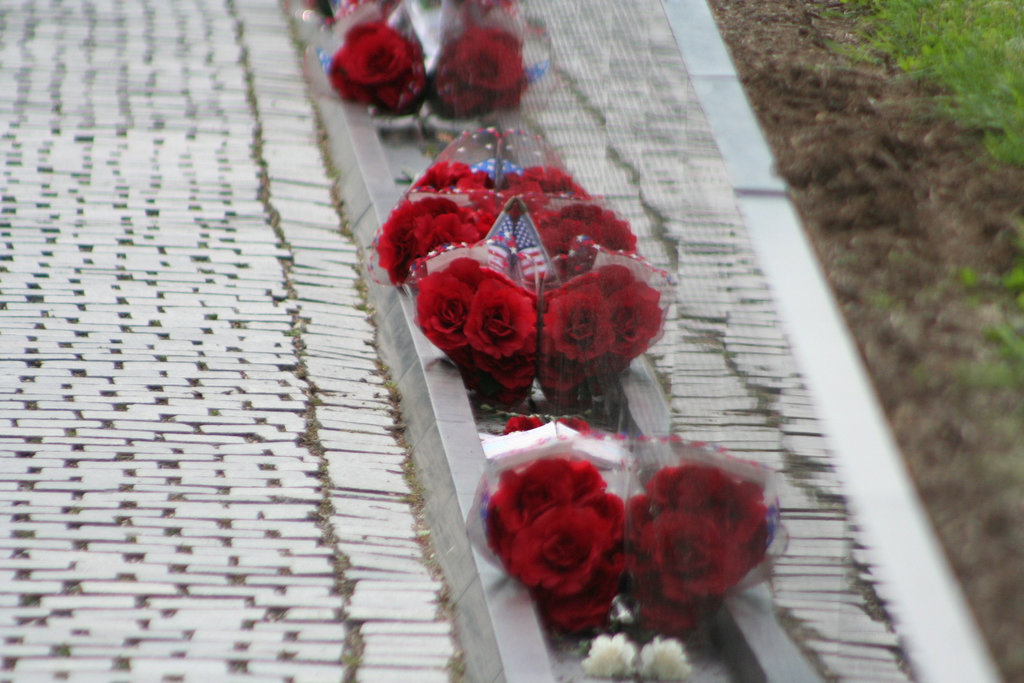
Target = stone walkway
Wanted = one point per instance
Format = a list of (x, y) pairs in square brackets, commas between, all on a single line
[(201, 477)]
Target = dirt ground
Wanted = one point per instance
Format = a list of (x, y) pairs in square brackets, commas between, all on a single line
[(897, 202)]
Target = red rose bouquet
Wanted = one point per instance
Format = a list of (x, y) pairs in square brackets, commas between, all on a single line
[(454, 176), (566, 228), (485, 322), (380, 61), (532, 168), (508, 163), (595, 323), (480, 66), (524, 423), (699, 525), (416, 227), (544, 512), (468, 165), (543, 180)]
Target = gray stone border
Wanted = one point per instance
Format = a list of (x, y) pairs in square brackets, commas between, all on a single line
[(913, 576), (498, 628)]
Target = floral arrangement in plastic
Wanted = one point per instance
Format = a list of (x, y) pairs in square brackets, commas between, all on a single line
[(475, 173), (701, 523), (417, 227), (468, 165), (480, 66), (596, 322), (459, 200), (509, 163), (562, 227), (597, 308), (380, 66), (546, 514), (697, 526), (481, 318), (472, 57), (480, 70), (373, 56)]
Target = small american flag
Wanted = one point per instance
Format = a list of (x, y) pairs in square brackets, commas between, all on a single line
[(488, 166), (504, 231), (535, 72), (501, 243), (515, 236), (534, 263), (508, 168), (324, 57)]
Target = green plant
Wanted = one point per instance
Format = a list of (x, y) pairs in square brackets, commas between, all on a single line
[(972, 49)]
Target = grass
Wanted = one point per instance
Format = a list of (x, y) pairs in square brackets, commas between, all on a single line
[(1007, 292), (972, 49)]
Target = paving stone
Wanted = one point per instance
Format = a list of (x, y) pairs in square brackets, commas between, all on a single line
[(379, 674)]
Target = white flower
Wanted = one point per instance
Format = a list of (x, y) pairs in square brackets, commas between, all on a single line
[(610, 657), (664, 660)]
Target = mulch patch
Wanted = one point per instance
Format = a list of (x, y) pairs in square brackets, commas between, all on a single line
[(897, 201)]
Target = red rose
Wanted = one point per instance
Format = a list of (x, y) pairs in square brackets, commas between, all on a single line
[(502, 318), (613, 278), (543, 180), (479, 71), (708, 490), (693, 553), (482, 212), (635, 319), (577, 423), (560, 229), (673, 613), (511, 372), (693, 535), (443, 229), (522, 496), (556, 529), (588, 608), (442, 306), (562, 549), (485, 324), (576, 321), (671, 617), (414, 229), (522, 423), (638, 515), (688, 487), (468, 270), (445, 175), (377, 65)]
